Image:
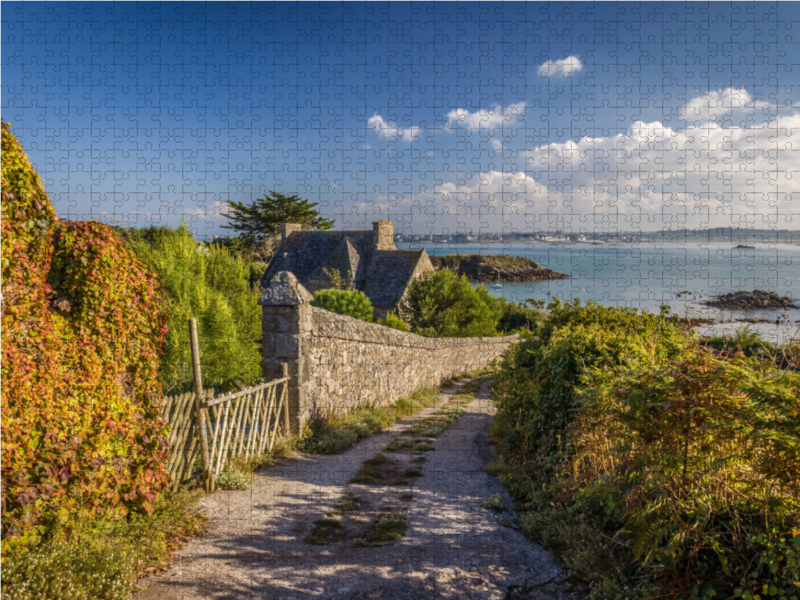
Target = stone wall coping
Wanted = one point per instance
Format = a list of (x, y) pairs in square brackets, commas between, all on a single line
[(285, 290), (342, 327)]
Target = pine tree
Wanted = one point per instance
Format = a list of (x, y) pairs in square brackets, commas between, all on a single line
[(259, 221)]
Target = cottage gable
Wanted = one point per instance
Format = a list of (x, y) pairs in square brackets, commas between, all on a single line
[(345, 259), (378, 269)]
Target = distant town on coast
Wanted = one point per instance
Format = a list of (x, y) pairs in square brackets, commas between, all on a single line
[(734, 235), (717, 234)]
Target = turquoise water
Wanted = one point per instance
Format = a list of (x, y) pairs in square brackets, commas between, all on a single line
[(646, 276)]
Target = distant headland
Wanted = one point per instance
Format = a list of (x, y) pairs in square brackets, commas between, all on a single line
[(495, 267)]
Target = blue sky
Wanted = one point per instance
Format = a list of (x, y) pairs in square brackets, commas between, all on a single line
[(446, 117)]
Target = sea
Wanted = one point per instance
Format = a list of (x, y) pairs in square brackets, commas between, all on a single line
[(647, 276)]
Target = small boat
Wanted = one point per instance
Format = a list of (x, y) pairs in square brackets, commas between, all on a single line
[(497, 287)]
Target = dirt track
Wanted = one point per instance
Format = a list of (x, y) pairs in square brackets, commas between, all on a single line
[(454, 547)]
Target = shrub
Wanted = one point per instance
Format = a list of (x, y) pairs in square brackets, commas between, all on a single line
[(653, 467), (744, 340), (211, 285), (494, 503), (344, 302), (535, 386), (339, 281), (517, 316), (83, 322), (702, 473), (61, 571), (395, 322), (257, 269), (440, 304), (100, 558)]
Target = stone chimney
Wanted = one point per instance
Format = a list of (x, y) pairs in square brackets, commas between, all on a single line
[(383, 235), (288, 229)]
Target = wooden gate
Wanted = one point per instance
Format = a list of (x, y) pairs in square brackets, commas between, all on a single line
[(242, 424)]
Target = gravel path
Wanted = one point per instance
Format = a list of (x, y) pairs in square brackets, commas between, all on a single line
[(454, 547)]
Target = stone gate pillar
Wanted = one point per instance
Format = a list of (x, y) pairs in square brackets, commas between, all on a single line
[(285, 324)]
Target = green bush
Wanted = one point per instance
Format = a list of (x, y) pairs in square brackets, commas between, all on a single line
[(441, 304), (654, 468), (702, 472), (518, 317), (101, 558), (536, 383), (257, 270), (209, 284), (344, 302), (395, 322), (61, 571), (744, 340)]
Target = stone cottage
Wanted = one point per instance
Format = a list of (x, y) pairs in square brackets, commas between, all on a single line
[(378, 268)]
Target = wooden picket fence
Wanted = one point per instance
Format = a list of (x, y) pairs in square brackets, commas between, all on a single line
[(241, 424)]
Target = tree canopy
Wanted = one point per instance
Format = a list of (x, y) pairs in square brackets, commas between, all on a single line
[(441, 304), (344, 302), (210, 284), (257, 222)]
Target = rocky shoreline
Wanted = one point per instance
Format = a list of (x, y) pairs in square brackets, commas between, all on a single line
[(491, 268), (751, 301)]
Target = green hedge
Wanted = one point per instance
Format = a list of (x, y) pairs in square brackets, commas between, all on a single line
[(213, 286), (654, 468), (442, 304)]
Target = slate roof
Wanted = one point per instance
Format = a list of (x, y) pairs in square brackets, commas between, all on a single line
[(381, 274), (388, 275), (344, 258), (305, 251)]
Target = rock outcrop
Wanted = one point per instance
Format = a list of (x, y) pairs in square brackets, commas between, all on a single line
[(751, 301), (491, 267)]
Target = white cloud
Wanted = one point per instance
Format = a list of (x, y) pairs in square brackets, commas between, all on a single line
[(709, 169), (728, 159), (490, 118), (564, 67), (494, 188), (717, 105), (391, 131)]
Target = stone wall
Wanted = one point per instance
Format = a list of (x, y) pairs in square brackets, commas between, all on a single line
[(338, 363)]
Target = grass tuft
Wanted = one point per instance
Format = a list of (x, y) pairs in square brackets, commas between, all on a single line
[(382, 470), (495, 503), (350, 502), (324, 532), (334, 435), (390, 527)]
